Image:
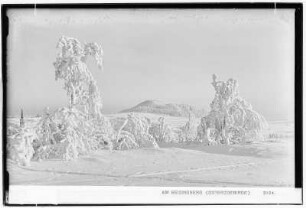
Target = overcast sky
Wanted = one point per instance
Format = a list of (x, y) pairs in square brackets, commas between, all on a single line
[(168, 55)]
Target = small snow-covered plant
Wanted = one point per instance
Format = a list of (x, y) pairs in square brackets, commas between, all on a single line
[(12, 128), (162, 132), (46, 128), (19, 145), (231, 119), (125, 139), (202, 132), (135, 132), (101, 132), (188, 132)]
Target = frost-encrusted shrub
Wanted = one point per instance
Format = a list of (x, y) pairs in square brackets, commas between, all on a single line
[(134, 133), (12, 128), (125, 139), (202, 132), (188, 132), (79, 128), (67, 133), (19, 145), (231, 119), (162, 132)]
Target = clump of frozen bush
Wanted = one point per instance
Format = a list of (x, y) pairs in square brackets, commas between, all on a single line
[(231, 119), (188, 132), (67, 133), (19, 146), (162, 132), (134, 133), (124, 139)]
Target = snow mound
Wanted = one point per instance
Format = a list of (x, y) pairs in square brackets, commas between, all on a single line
[(159, 107)]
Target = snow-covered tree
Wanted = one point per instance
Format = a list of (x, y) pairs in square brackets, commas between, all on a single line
[(20, 149), (162, 132), (70, 66), (231, 119), (202, 132), (188, 132), (125, 139), (20, 142), (80, 127), (137, 127)]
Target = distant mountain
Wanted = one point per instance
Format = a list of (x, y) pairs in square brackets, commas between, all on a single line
[(158, 107)]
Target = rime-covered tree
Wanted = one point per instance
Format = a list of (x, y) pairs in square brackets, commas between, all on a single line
[(231, 119), (162, 132), (188, 132), (19, 146), (20, 142), (139, 127), (70, 66), (80, 127)]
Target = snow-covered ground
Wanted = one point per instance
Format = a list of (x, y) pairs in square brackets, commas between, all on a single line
[(264, 163)]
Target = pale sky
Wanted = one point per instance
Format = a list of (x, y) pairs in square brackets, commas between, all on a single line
[(168, 55)]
